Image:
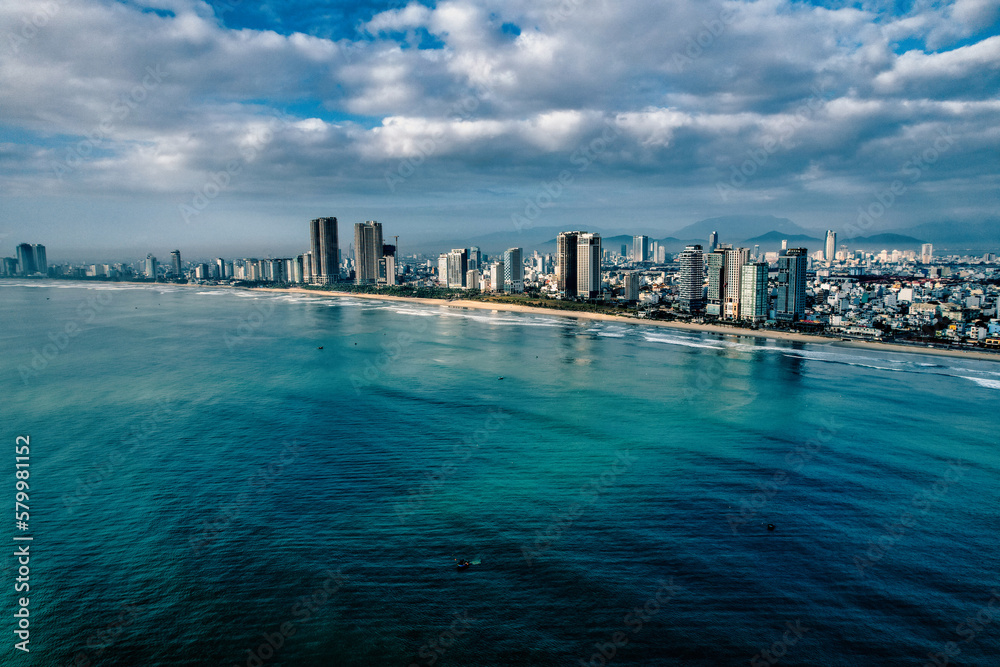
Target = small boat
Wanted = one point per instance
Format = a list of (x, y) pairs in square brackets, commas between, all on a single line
[(463, 565)]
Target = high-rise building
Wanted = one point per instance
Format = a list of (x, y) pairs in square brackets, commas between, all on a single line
[(443, 269), (298, 269), (831, 246), (691, 279), (756, 252), (735, 259), (472, 279), (387, 266), (220, 268), (926, 253), (307, 268), (496, 276), (175, 263), (458, 265), (715, 262), (566, 244), (631, 286), (325, 251), (713, 241), (753, 291), (151, 265), (25, 259), (41, 264), (475, 261), (588, 265), (513, 268), (791, 302), (640, 248), (367, 251)]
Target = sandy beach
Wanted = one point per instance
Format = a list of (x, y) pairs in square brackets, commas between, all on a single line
[(705, 328)]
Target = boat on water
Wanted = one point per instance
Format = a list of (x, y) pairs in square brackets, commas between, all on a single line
[(463, 565)]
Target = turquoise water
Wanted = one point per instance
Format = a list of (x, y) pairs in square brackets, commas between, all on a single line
[(210, 488)]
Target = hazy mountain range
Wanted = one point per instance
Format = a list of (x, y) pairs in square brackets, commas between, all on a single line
[(749, 230)]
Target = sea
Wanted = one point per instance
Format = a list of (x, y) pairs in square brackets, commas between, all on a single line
[(244, 478)]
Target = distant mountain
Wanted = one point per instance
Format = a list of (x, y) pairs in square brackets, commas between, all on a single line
[(959, 237), (887, 241), (732, 228)]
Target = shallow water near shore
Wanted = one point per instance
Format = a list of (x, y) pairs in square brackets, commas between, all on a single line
[(210, 487)]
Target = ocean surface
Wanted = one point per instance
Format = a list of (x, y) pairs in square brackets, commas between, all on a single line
[(225, 477)]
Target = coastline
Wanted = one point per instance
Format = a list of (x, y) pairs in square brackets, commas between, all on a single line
[(703, 328)]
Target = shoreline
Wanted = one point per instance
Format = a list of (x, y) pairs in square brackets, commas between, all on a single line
[(716, 329), (688, 326)]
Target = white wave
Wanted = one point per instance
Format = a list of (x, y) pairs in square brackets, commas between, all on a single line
[(982, 382), (411, 311), (679, 341)]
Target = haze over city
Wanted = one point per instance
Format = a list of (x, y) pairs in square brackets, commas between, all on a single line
[(222, 127)]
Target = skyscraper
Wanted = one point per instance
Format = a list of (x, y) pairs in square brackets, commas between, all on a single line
[(475, 261), (735, 259), (151, 265), (716, 267), (691, 279), (325, 250), (513, 269), (443, 269), (753, 291), (831, 246), (25, 259), (791, 302), (175, 263), (496, 276), (367, 252), (588, 265), (640, 248), (926, 253), (631, 291), (458, 265), (41, 264), (713, 241), (566, 244)]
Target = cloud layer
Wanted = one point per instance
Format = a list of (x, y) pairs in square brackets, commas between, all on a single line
[(706, 108)]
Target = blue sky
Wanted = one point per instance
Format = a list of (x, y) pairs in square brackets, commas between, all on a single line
[(136, 126)]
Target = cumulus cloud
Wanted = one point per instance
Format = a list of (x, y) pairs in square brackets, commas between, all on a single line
[(102, 97)]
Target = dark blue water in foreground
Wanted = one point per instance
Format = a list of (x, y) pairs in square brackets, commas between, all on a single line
[(204, 478)]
